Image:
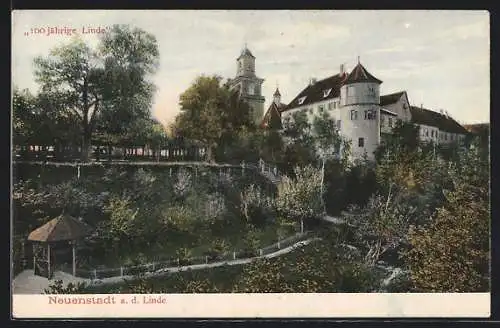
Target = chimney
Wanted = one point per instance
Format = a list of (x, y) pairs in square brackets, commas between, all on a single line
[(342, 69), (446, 113), (421, 106), (312, 81), (441, 111)]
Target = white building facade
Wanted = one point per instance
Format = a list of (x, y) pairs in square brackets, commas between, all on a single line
[(362, 116)]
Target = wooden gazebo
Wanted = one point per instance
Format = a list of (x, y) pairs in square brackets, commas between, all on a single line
[(60, 229)]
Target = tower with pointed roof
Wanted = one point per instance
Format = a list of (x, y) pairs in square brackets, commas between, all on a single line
[(248, 84), (277, 97), (360, 111)]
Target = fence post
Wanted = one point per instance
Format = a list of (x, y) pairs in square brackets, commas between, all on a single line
[(121, 271), (279, 244), (153, 266), (260, 252), (234, 255), (206, 259), (178, 262)]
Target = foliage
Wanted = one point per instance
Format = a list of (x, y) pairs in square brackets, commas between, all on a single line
[(300, 198), (316, 268), (182, 183), (255, 207), (404, 139), (57, 287), (108, 86), (382, 224), (451, 253), (183, 255), (251, 243), (211, 113)]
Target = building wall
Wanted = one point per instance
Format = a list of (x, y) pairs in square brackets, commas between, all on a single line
[(428, 133), (399, 108), (357, 127), (357, 100), (387, 122), (360, 93), (331, 106)]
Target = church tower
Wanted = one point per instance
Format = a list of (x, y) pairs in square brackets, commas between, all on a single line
[(249, 85)]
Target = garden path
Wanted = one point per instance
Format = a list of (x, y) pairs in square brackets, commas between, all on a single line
[(27, 283)]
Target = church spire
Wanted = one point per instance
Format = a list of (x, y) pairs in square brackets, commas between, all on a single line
[(277, 96)]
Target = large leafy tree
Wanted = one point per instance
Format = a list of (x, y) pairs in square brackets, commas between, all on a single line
[(41, 120), (107, 84), (299, 198), (211, 113), (451, 252)]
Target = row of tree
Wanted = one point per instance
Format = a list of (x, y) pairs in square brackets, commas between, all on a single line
[(86, 95)]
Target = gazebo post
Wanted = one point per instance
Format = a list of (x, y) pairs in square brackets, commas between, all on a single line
[(48, 260), (74, 258)]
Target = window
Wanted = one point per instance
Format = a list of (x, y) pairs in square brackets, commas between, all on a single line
[(335, 104), (426, 132), (371, 91), (321, 108), (310, 110), (432, 133), (251, 89), (382, 120), (354, 114), (338, 124), (390, 122), (326, 92), (301, 100), (361, 142), (331, 105), (370, 114)]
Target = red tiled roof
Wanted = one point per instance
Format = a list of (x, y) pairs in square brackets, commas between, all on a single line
[(315, 92), (428, 117), (360, 74), (391, 98), (272, 118)]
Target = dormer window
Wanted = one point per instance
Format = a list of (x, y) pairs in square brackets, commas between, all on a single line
[(301, 100), (326, 92)]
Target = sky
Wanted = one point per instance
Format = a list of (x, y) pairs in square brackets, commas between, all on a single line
[(441, 58)]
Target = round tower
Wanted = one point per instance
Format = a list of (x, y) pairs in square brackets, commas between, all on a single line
[(360, 111)]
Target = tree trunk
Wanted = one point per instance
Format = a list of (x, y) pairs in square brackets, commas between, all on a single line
[(86, 148), (110, 149), (210, 154)]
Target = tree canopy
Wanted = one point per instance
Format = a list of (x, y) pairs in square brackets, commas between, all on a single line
[(211, 113), (104, 88)]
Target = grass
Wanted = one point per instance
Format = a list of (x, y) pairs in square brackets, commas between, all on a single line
[(224, 277), (167, 251)]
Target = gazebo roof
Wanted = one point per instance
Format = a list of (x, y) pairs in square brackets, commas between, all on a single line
[(63, 227)]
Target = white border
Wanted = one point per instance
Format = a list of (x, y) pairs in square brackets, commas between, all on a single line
[(310, 305)]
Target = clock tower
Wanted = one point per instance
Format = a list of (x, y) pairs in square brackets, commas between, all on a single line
[(249, 85)]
